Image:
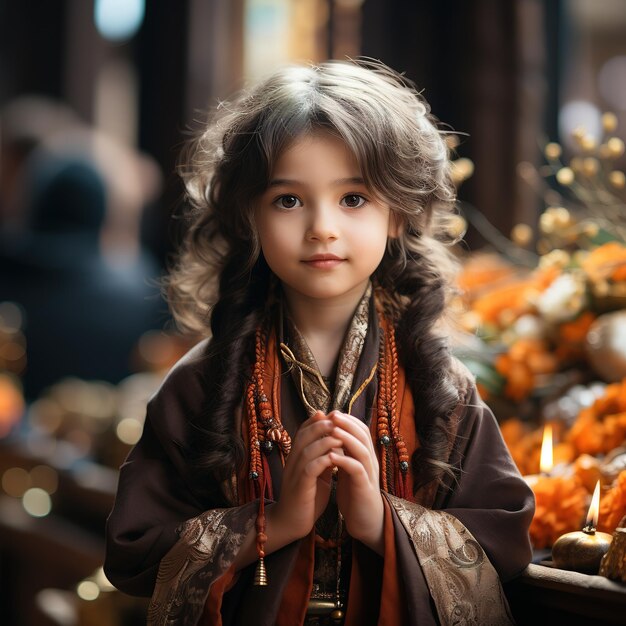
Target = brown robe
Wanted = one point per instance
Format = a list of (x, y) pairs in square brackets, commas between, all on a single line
[(443, 554)]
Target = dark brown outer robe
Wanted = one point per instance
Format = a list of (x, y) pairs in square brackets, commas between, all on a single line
[(157, 515)]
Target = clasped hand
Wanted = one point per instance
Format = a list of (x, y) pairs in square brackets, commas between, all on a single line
[(321, 443)]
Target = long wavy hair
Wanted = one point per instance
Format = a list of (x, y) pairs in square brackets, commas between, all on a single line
[(220, 283)]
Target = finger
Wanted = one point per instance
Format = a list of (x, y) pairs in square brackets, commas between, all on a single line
[(316, 417), (355, 470), (295, 474), (353, 445), (319, 447), (310, 431), (358, 450), (326, 476), (316, 467), (354, 426)]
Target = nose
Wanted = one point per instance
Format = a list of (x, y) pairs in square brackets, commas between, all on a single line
[(323, 225)]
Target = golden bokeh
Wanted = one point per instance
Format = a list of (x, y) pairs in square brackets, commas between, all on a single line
[(15, 481), (522, 234), (565, 176)]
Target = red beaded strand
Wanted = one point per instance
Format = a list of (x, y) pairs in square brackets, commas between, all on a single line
[(266, 431), (394, 472), (382, 425), (401, 449)]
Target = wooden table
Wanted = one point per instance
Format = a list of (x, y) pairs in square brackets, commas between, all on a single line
[(546, 595)]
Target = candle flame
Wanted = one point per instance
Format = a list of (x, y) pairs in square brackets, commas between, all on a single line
[(594, 508), (546, 462)]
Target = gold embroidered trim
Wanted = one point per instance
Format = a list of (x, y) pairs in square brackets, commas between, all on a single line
[(206, 548), (463, 583)]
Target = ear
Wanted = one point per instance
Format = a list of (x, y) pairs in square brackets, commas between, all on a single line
[(396, 224)]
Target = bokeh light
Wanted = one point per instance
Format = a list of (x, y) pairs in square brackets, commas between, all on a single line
[(15, 481), (578, 114), (129, 431), (37, 502), (88, 590), (118, 20)]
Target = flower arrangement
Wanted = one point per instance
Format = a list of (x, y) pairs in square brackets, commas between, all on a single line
[(547, 317), (560, 504)]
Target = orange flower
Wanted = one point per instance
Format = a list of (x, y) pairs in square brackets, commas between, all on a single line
[(508, 300), (613, 505), (481, 270), (561, 504), (607, 262), (563, 453), (576, 330), (521, 442), (526, 359), (601, 427), (587, 469), (502, 301), (572, 336)]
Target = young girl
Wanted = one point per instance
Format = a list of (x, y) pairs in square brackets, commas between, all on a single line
[(322, 458)]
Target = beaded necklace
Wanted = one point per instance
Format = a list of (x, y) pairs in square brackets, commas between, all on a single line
[(266, 430)]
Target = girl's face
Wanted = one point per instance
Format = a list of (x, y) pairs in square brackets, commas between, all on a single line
[(321, 231)]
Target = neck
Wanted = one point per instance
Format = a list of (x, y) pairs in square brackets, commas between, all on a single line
[(323, 323)]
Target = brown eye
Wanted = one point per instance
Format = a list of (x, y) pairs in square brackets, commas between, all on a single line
[(353, 201), (287, 202)]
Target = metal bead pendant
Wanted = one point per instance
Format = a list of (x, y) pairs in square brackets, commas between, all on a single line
[(260, 574), (385, 440), (268, 446), (404, 466), (254, 475), (337, 616)]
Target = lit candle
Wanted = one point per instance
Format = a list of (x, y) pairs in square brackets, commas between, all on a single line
[(546, 461), (583, 550)]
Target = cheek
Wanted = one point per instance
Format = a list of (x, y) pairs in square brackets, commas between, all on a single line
[(273, 239), (276, 246)]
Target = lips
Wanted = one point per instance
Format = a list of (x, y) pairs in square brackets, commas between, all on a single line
[(323, 261)]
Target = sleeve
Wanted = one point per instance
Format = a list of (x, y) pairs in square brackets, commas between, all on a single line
[(449, 561), (155, 507), (490, 498), (150, 504)]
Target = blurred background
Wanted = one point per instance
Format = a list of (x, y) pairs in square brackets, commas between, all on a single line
[(97, 98)]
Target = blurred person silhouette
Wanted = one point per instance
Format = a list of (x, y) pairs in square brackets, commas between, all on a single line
[(25, 123), (83, 313)]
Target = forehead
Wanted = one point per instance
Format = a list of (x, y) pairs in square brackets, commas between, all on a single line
[(314, 150)]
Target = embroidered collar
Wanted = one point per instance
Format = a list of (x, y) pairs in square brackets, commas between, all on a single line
[(312, 388)]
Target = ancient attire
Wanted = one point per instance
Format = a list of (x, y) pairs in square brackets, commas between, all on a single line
[(446, 548)]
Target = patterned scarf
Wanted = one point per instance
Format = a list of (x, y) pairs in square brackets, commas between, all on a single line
[(316, 392)]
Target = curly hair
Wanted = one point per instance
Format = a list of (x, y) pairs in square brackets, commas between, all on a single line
[(221, 282)]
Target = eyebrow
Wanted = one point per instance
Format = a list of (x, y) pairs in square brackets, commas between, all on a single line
[(355, 180)]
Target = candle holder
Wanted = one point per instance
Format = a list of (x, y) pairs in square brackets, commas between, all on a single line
[(583, 550)]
